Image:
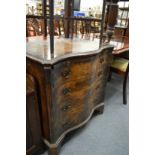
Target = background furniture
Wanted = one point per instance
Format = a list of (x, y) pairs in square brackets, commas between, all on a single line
[(34, 144), (118, 21), (120, 65)]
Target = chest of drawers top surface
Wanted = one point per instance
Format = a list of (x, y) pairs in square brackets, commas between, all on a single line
[(38, 49)]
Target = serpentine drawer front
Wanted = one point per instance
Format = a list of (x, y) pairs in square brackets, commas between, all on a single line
[(70, 89)]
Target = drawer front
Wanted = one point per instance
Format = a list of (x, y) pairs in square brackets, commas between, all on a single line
[(97, 91), (71, 103), (103, 62), (79, 85), (71, 89), (74, 69), (70, 112), (73, 114), (70, 94)]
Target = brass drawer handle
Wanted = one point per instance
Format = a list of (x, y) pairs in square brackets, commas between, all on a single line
[(100, 73), (66, 74), (97, 87), (101, 60), (68, 63), (65, 108), (66, 91)]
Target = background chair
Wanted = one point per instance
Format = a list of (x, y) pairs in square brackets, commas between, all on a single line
[(120, 65)]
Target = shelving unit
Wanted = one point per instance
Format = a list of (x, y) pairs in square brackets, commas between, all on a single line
[(122, 26), (40, 9)]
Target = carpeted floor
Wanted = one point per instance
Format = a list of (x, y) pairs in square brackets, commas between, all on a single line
[(104, 134)]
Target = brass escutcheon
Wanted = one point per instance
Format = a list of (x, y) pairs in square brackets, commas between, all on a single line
[(66, 91)]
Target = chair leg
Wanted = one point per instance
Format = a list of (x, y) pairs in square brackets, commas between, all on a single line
[(124, 85)]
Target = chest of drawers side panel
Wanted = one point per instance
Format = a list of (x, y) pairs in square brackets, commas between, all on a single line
[(43, 84), (34, 143)]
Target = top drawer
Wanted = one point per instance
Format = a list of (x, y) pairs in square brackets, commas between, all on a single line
[(74, 69)]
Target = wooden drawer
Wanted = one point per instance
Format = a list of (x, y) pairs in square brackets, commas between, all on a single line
[(70, 112), (72, 70), (70, 98), (72, 88), (97, 90), (79, 73), (76, 94), (70, 105), (78, 86), (73, 114)]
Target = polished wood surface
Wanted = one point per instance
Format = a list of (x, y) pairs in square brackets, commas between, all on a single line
[(39, 48), (71, 85)]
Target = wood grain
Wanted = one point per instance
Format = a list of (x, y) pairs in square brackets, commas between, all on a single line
[(70, 89)]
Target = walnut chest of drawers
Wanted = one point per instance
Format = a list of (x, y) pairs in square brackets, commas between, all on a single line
[(70, 89)]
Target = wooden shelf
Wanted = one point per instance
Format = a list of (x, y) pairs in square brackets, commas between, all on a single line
[(123, 18), (121, 26), (35, 16), (124, 9)]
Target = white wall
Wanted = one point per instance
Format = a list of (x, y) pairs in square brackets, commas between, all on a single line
[(91, 3), (123, 4)]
